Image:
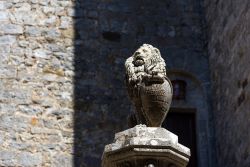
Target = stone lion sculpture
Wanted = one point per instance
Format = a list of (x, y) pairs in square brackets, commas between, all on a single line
[(148, 86)]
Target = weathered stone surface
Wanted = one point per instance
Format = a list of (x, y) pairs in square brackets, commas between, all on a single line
[(62, 160), (2, 5), (228, 48), (33, 31), (11, 29), (142, 142), (7, 71), (48, 10), (84, 82), (4, 16), (41, 53), (23, 7), (8, 158), (7, 39), (69, 33), (66, 22), (53, 33), (30, 40), (37, 130), (51, 21), (29, 159)]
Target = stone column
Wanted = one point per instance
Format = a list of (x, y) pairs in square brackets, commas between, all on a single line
[(143, 146)]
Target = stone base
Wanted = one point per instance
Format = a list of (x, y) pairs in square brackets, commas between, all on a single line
[(143, 146)]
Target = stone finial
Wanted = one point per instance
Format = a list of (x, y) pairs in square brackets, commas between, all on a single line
[(148, 86)]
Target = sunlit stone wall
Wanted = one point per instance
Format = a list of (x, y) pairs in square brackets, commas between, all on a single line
[(36, 82)]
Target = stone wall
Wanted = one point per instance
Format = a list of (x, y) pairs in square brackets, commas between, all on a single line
[(107, 33), (62, 73), (228, 29), (36, 82)]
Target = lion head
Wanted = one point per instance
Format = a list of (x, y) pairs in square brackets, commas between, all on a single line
[(145, 62), (147, 55)]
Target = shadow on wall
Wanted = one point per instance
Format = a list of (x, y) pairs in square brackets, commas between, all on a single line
[(100, 101), (107, 32)]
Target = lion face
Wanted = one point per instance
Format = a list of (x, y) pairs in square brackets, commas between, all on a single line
[(146, 56), (141, 56), (146, 62)]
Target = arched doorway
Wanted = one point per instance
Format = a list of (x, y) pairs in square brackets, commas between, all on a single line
[(189, 118)]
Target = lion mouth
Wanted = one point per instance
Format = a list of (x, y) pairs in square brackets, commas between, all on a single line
[(138, 62)]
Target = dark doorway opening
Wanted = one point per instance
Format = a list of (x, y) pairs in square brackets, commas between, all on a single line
[(182, 123)]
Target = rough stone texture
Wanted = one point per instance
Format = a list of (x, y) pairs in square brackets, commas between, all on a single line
[(68, 55), (142, 144), (36, 108), (107, 33), (229, 39)]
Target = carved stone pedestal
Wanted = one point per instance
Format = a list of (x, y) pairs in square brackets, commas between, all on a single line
[(143, 146)]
